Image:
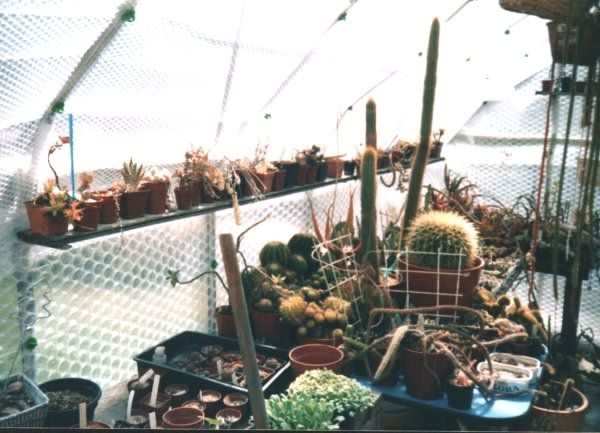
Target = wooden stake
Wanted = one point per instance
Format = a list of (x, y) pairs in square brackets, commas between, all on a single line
[(242, 324), (82, 415)]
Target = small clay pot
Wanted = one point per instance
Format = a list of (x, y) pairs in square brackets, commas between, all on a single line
[(311, 174), (183, 198), (177, 392), (321, 171), (108, 207), (267, 181), (231, 416), (460, 396), (349, 168), (279, 180), (194, 404), (212, 400), (183, 418), (225, 322), (335, 167), (90, 218), (157, 200), (133, 204), (237, 401), (43, 223), (315, 356)]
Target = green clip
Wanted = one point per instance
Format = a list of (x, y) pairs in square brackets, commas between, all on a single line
[(58, 107), (30, 343), (128, 15), (214, 264)]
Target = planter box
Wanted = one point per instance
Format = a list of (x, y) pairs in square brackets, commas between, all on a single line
[(35, 415), (189, 340)]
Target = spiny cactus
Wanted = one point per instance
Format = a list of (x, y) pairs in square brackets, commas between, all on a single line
[(338, 304), (447, 232), (420, 161), (132, 174), (368, 203), (371, 133), (292, 309)]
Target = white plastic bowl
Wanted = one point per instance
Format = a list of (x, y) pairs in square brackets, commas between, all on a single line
[(504, 380), (529, 363)]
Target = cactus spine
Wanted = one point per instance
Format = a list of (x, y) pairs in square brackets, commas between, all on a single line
[(420, 162), (368, 204), (371, 133)]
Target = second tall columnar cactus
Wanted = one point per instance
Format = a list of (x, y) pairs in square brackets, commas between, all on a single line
[(371, 132), (420, 162), (368, 204)]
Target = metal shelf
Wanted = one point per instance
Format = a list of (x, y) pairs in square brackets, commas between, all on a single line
[(65, 241)]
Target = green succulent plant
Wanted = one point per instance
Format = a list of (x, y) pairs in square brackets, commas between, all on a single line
[(301, 412), (446, 232), (132, 174)]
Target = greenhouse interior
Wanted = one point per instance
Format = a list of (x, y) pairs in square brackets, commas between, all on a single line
[(300, 215)]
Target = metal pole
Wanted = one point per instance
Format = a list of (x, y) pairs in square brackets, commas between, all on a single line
[(242, 324)]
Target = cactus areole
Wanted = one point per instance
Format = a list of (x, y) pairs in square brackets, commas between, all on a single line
[(371, 130), (420, 162)]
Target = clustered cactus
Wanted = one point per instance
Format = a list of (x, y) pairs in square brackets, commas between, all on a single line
[(446, 232)]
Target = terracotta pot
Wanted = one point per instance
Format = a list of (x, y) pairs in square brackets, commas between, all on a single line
[(183, 418), (195, 404), (267, 326), (335, 167), (212, 400), (420, 382), (460, 396), (321, 171), (315, 356), (43, 223), (108, 208), (225, 322), (267, 181), (133, 204), (349, 168), (230, 415), (238, 401), (183, 198), (90, 217), (420, 279), (196, 193), (311, 174), (560, 420), (157, 200), (279, 180)]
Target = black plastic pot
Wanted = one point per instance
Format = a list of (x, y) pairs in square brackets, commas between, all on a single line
[(349, 168), (68, 418), (460, 396), (291, 168), (321, 171)]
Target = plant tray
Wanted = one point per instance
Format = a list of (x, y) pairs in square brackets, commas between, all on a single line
[(33, 416), (189, 341)]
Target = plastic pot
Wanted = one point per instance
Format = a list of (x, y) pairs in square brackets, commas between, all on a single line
[(183, 198), (301, 174), (163, 401), (311, 174), (335, 167), (267, 181), (230, 415), (157, 200), (561, 420), (212, 400), (108, 208), (315, 356), (90, 217), (279, 180), (196, 192), (426, 373), (291, 169), (133, 204), (93, 425), (43, 223), (178, 393), (69, 417), (333, 341), (349, 168), (460, 396), (425, 281), (238, 401), (267, 326), (183, 418), (436, 149), (225, 322), (321, 171)]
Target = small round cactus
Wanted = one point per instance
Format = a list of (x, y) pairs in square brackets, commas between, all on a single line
[(292, 309), (446, 232)]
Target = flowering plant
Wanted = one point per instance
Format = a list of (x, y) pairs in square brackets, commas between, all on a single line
[(58, 202), (197, 167)]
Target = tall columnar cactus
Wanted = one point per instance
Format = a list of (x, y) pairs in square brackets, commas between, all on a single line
[(420, 162), (368, 204), (446, 232), (371, 132)]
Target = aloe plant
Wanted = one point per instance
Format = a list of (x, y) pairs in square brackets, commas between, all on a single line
[(132, 175)]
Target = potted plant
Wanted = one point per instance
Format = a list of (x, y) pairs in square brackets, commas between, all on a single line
[(22, 403), (291, 168), (51, 211), (132, 200), (64, 397), (559, 406), (183, 191), (90, 207), (301, 412), (309, 160), (436, 145), (460, 391), (207, 180), (157, 182), (442, 255)]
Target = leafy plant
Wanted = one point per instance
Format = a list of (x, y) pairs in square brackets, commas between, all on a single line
[(58, 202), (301, 411), (347, 395)]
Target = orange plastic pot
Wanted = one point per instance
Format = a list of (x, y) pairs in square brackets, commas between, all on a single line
[(225, 322), (90, 216), (157, 200), (315, 356), (108, 208), (335, 167), (42, 222), (183, 418), (267, 326)]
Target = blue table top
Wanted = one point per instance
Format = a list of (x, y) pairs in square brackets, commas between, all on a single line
[(505, 408)]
